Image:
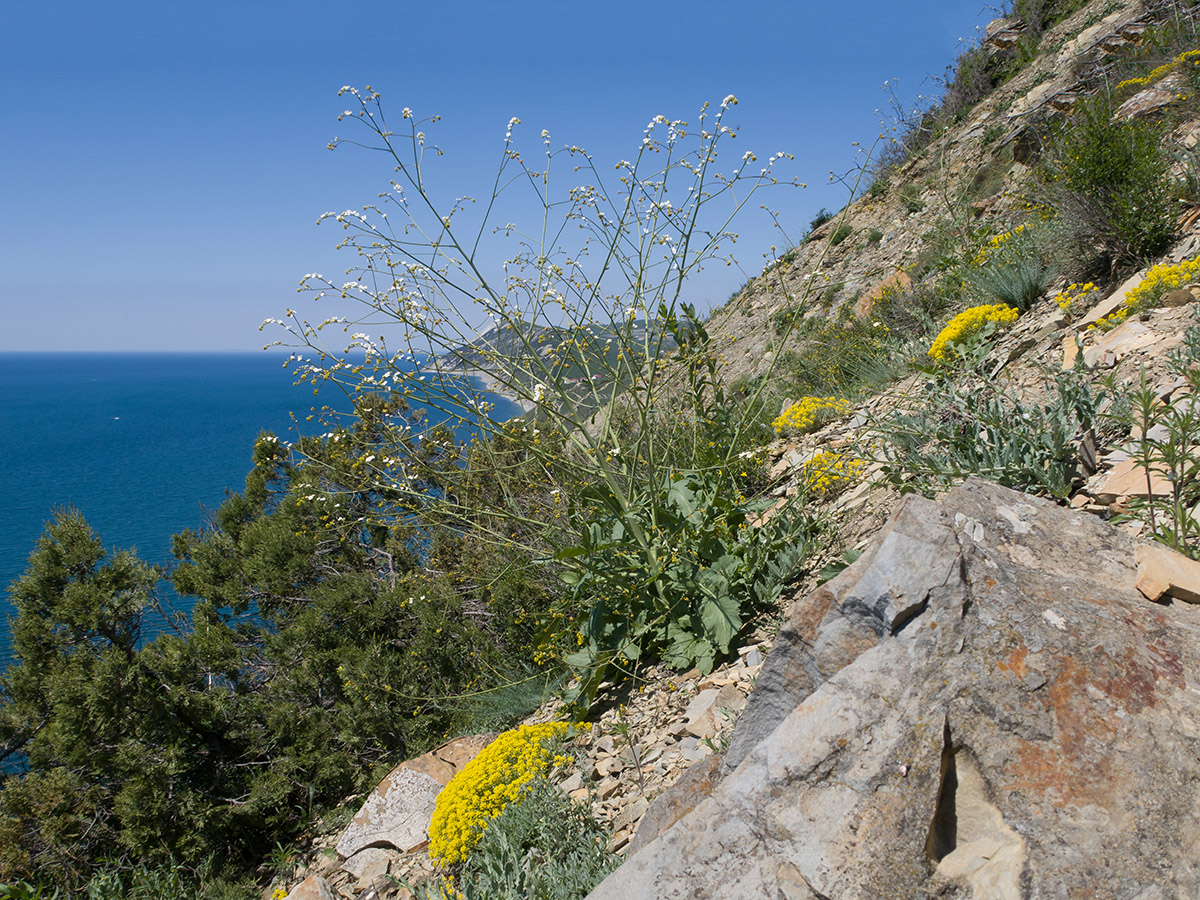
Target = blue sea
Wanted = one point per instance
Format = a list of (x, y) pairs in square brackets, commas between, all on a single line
[(144, 445)]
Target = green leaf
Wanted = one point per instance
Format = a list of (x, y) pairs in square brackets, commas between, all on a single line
[(720, 617), (835, 568)]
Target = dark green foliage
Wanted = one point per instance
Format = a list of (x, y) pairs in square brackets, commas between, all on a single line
[(1109, 183), (874, 236), (328, 638), (839, 234), (910, 199), (1173, 455), (1014, 273), (823, 215), (839, 357), (675, 577)]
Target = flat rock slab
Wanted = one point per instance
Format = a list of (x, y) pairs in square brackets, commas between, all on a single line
[(1162, 572), (1031, 729), (398, 812)]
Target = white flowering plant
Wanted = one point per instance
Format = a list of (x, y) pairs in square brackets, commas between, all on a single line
[(448, 305)]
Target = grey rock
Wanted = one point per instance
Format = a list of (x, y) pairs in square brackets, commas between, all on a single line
[(367, 865), (397, 814), (1027, 728)]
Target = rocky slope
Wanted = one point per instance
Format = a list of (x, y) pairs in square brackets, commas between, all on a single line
[(984, 705)]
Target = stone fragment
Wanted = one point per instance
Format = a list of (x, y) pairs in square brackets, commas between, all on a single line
[(1070, 350), (1163, 572), (1156, 97), (396, 814), (367, 865), (398, 811), (1114, 300), (314, 887), (1177, 298), (696, 783), (610, 765), (630, 815), (572, 782), (607, 788), (1128, 479), (709, 710)]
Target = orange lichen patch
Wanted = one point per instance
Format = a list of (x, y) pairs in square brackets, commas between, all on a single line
[(810, 612), (1015, 662), (1077, 767), (1094, 702)]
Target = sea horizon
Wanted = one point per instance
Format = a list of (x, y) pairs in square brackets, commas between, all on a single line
[(144, 443)]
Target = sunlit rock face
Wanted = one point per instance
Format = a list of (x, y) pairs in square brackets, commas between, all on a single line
[(982, 706)]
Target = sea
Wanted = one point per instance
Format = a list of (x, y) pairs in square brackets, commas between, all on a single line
[(143, 444)]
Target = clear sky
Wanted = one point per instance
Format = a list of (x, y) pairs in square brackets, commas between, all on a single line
[(162, 165)]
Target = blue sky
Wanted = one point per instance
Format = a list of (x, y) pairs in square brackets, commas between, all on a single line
[(164, 164)]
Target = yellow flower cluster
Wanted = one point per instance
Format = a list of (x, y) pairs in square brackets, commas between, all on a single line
[(995, 244), (805, 414), (1130, 84), (1160, 280), (827, 472), (1071, 298), (967, 323), (487, 784)]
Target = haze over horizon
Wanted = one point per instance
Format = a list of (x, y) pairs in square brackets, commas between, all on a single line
[(167, 164)]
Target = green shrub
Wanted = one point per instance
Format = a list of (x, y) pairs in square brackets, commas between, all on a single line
[(842, 357), (993, 132), (1110, 185), (970, 426), (672, 573), (879, 187), (874, 236), (839, 234), (830, 293), (823, 215), (1172, 457), (910, 200)]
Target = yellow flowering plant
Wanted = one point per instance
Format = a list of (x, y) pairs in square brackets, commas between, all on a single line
[(1074, 297), (829, 472), (487, 784), (808, 413), (1149, 292), (975, 323), (1189, 59)]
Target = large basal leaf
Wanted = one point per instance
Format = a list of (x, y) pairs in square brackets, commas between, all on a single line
[(720, 616)]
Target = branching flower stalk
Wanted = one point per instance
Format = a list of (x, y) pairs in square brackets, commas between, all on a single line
[(597, 342)]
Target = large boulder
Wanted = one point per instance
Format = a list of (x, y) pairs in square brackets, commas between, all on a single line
[(982, 706)]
